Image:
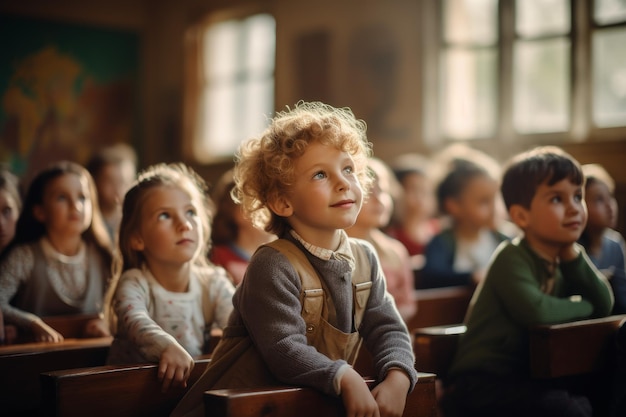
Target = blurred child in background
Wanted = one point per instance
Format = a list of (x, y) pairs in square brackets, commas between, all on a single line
[(113, 169), (414, 222), (233, 236), (59, 261), (10, 206), (604, 245), (460, 253), (394, 257)]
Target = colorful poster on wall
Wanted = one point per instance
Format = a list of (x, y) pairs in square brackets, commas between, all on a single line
[(65, 90)]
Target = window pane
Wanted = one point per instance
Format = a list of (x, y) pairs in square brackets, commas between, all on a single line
[(259, 100), (220, 49), (609, 11), (469, 93), (541, 82), (609, 77), (218, 126), (260, 43), (470, 21), (541, 17)]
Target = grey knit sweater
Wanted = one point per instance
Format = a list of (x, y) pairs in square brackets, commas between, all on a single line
[(268, 303)]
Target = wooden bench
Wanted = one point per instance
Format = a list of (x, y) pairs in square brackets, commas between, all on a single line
[(70, 326), (306, 402), (120, 391), (20, 366), (131, 391)]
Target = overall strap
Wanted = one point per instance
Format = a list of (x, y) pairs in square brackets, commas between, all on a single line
[(312, 294), (361, 282)]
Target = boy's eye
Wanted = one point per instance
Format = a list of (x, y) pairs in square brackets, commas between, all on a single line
[(555, 199), (163, 216), (349, 169), (578, 197), (319, 175), (191, 213)]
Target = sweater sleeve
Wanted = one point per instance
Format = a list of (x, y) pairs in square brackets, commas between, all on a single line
[(15, 271), (383, 330), (132, 299), (268, 301), (514, 277), (221, 292)]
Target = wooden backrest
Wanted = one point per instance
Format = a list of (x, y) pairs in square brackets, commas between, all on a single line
[(71, 326), (20, 366), (306, 402), (574, 348), (119, 391), (440, 306)]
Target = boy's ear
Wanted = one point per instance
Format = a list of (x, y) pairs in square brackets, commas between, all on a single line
[(280, 206), (137, 243), (519, 216)]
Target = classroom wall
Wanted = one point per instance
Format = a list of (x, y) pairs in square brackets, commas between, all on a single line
[(346, 36)]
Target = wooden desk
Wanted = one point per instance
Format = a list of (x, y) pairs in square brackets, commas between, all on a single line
[(440, 306)]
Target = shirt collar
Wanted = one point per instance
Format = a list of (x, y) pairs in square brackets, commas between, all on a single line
[(343, 251)]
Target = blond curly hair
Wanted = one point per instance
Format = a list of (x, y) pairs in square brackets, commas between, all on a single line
[(264, 166)]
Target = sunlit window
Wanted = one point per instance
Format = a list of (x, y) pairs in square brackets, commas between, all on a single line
[(609, 63), (469, 68), (235, 98), (507, 70), (541, 66)]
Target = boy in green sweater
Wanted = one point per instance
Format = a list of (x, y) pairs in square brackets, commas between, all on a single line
[(543, 277)]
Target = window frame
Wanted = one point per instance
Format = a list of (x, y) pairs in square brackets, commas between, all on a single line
[(581, 128)]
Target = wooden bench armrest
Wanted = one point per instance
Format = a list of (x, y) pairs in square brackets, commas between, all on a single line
[(305, 402), (435, 346), (574, 348)]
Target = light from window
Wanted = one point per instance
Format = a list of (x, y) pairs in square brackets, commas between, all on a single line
[(609, 11), (238, 95), (469, 63)]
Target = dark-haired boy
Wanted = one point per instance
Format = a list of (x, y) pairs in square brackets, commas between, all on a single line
[(543, 277)]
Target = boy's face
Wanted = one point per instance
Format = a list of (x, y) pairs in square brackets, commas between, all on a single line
[(326, 195), (601, 205), (556, 218)]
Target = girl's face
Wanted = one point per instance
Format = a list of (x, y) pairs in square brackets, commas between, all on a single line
[(326, 195), (377, 208), (601, 206), (8, 217), (419, 197), (66, 207), (170, 230), (477, 203)]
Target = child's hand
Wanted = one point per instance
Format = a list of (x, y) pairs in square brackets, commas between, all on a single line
[(96, 328), (569, 252), (175, 366), (390, 395), (357, 398), (44, 333)]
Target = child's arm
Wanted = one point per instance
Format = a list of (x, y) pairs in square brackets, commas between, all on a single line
[(390, 394), (175, 366), (582, 278), (514, 275), (14, 271), (356, 396), (131, 308)]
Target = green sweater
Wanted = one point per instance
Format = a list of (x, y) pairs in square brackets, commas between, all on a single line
[(515, 295)]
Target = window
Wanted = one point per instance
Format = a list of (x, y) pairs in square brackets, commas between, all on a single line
[(231, 95), (508, 69)]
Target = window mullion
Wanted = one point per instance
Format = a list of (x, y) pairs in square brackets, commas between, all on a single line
[(506, 29)]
